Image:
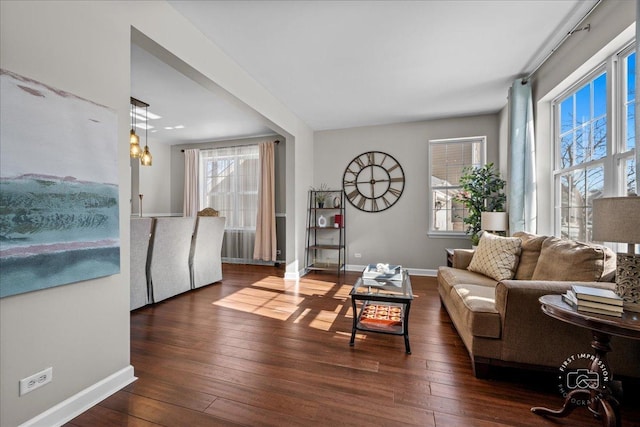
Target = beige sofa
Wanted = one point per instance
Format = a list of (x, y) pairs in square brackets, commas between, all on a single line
[(500, 321)]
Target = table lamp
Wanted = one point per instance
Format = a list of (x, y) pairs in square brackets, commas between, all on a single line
[(617, 219), (494, 221)]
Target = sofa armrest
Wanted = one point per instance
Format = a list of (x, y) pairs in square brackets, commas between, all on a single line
[(462, 258), (523, 295), (529, 335)]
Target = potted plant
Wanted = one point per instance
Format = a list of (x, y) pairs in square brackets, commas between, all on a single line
[(482, 191), (321, 194)]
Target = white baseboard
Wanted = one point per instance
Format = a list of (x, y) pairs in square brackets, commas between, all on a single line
[(412, 271), (80, 402), (292, 276)]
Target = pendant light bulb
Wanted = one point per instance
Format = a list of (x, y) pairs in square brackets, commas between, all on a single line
[(146, 159), (134, 141), (134, 146)]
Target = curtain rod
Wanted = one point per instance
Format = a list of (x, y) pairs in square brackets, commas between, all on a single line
[(573, 30), (277, 141)]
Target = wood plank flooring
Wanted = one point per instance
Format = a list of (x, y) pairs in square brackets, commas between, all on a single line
[(255, 350)]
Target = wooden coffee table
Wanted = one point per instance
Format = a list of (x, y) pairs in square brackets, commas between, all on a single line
[(603, 402)]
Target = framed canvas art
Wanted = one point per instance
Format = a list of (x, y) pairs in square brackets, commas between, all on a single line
[(59, 215)]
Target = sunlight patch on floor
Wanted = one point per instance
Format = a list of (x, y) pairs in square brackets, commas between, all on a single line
[(276, 298), (274, 305)]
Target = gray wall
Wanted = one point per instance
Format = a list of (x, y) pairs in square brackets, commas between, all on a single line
[(397, 235), (82, 329)]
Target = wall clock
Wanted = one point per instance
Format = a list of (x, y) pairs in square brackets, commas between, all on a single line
[(373, 181)]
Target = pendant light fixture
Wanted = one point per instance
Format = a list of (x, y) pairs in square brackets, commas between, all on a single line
[(134, 142), (135, 150), (146, 159)]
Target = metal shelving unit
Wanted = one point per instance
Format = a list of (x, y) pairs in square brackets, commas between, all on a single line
[(326, 248)]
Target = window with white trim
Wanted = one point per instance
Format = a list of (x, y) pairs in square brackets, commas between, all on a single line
[(229, 183), (447, 160), (594, 149)]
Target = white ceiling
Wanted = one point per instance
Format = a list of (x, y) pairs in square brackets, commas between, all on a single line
[(339, 64)]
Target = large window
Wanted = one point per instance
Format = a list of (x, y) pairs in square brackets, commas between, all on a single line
[(595, 154), (447, 160), (229, 183)]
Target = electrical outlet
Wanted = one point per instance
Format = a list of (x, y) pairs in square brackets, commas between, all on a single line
[(35, 381), (357, 255)]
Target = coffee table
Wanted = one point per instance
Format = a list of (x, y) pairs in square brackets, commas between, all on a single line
[(384, 308)]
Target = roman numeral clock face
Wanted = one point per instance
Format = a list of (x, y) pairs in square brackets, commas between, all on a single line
[(373, 181)]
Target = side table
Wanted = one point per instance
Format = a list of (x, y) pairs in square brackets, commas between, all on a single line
[(449, 252), (603, 403)]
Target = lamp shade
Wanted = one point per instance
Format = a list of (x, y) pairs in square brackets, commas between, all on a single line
[(494, 221), (616, 219)]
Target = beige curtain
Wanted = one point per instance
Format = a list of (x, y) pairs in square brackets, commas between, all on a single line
[(191, 196), (265, 245)]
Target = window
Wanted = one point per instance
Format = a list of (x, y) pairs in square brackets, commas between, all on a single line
[(229, 183), (594, 157), (447, 160)]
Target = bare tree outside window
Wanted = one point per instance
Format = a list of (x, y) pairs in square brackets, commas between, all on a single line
[(583, 146)]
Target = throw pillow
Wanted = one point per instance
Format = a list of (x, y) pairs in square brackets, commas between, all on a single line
[(531, 246), (564, 259), (496, 256)]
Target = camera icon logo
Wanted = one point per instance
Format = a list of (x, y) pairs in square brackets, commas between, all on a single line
[(583, 379)]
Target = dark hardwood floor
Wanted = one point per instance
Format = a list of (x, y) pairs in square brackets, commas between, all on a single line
[(255, 350)]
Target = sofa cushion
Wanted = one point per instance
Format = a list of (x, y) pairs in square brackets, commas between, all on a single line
[(448, 277), (531, 246), (563, 259), (476, 306), (496, 256)]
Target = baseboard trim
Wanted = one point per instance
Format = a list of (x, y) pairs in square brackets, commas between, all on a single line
[(292, 275), (412, 271), (85, 399)]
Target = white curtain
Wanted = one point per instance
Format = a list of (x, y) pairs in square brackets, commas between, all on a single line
[(522, 171), (191, 196), (265, 244)]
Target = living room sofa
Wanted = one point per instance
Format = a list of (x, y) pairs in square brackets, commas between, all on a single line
[(500, 321)]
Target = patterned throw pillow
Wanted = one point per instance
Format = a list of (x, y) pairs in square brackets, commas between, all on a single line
[(496, 257)]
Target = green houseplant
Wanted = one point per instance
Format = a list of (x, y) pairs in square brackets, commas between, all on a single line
[(482, 191), (321, 194)]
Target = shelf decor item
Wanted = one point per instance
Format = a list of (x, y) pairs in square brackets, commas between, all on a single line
[(337, 220), (321, 194), (322, 221), (617, 219)]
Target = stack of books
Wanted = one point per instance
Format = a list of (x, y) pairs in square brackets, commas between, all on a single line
[(594, 300)]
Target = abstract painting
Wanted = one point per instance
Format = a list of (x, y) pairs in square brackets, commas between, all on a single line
[(59, 215)]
